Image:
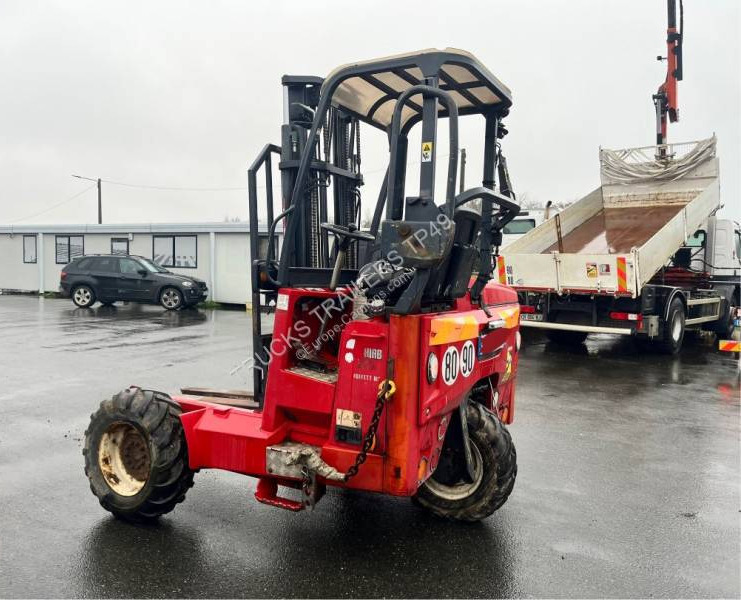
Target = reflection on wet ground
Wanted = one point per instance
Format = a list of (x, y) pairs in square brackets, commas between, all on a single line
[(628, 480)]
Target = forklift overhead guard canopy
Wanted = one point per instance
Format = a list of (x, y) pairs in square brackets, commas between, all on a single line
[(422, 251), (369, 89)]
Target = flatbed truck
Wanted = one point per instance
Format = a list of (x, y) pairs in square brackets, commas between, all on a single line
[(642, 255)]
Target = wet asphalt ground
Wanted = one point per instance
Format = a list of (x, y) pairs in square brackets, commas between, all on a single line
[(628, 478)]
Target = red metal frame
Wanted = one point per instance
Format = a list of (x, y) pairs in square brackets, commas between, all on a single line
[(302, 408)]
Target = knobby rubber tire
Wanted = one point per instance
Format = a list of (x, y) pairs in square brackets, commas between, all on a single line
[(157, 418), (499, 457)]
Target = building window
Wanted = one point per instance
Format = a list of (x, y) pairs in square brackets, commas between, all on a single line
[(69, 247), (29, 248), (175, 251), (120, 246)]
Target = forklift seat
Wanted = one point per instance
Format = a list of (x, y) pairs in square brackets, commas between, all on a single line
[(452, 278), (448, 280)]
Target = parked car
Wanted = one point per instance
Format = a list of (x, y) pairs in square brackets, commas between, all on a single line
[(108, 279)]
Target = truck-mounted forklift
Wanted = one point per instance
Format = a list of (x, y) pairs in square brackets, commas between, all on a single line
[(391, 362)]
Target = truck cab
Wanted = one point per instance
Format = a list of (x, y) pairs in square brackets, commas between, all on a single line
[(520, 225), (722, 250), (715, 249)]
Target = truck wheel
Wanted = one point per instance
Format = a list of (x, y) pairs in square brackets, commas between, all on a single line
[(723, 327), (671, 341), (566, 338), (495, 468), (136, 457)]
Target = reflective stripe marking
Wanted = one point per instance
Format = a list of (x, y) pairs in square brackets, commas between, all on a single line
[(502, 270), (446, 330), (622, 279), (510, 316), (729, 346)]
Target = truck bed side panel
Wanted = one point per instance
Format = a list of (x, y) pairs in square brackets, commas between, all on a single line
[(656, 251), (544, 235), (609, 274)]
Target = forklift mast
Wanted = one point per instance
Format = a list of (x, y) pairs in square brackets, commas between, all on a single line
[(665, 99), (437, 242), (336, 157)]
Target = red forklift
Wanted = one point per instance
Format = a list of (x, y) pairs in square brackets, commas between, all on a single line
[(391, 362)]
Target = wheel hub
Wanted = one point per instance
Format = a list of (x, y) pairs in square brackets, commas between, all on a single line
[(676, 327), (124, 459), (461, 489), (171, 299), (82, 295)]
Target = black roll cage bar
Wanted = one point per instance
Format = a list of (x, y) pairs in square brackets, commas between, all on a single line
[(431, 66), (395, 203), (435, 85)]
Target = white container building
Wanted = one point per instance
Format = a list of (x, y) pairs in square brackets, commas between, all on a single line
[(32, 256)]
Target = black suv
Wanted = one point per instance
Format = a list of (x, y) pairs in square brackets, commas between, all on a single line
[(129, 278)]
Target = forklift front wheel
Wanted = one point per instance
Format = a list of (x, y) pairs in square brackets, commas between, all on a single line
[(136, 456), (495, 469)]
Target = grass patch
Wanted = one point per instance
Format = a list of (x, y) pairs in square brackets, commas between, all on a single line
[(210, 304)]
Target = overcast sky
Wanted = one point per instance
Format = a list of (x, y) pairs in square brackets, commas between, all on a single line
[(184, 94)]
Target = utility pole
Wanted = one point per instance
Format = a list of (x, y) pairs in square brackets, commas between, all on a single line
[(100, 204), (100, 195)]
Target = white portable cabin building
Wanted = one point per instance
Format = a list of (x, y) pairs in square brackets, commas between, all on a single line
[(32, 256)]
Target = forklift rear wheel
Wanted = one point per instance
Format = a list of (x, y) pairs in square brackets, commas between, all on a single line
[(136, 456), (495, 469)]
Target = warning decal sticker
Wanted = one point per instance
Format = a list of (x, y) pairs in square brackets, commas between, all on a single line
[(426, 151), (282, 302), (450, 365), (467, 358), (347, 418), (348, 426)]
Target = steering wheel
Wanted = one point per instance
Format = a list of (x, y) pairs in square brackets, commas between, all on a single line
[(350, 232), (344, 235)]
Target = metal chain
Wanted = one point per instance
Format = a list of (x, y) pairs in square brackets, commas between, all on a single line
[(386, 389), (308, 487)]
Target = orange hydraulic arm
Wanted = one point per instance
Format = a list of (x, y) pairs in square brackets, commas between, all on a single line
[(665, 99)]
